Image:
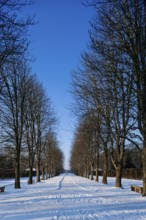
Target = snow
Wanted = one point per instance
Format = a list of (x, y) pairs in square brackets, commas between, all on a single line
[(33, 169), (69, 197)]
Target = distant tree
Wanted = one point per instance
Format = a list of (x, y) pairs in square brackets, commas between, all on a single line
[(30, 124), (133, 157), (84, 149), (45, 120), (6, 160), (52, 156)]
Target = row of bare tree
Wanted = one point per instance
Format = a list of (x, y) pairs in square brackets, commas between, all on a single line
[(27, 118), (110, 85)]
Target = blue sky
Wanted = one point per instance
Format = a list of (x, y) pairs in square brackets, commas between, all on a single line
[(56, 43)]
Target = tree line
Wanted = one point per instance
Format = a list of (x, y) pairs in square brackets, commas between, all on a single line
[(27, 117), (109, 88)]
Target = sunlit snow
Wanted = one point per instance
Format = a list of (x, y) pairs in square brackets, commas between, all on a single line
[(69, 197)]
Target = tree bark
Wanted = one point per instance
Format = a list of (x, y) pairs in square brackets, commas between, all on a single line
[(38, 179), (47, 172), (104, 180), (43, 172), (30, 178), (97, 166), (144, 171), (119, 175), (144, 145), (88, 171), (17, 173), (92, 169), (85, 172)]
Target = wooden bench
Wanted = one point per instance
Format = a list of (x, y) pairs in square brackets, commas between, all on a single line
[(2, 188), (138, 189)]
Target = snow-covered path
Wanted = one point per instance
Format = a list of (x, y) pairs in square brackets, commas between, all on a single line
[(68, 197)]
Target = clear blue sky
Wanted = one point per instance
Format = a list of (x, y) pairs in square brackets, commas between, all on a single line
[(57, 42)]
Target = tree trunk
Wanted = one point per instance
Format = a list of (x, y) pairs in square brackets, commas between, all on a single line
[(104, 179), (97, 166), (30, 178), (92, 169), (85, 172), (17, 173), (38, 179), (54, 171), (43, 172), (144, 171), (88, 171), (119, 175), (144, 129), (47, 172), (51, 175), (144, 150)]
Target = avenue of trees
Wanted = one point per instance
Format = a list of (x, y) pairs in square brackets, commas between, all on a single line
[(109, 88), (27, 117)]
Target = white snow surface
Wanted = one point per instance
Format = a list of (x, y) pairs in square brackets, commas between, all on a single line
[(69, 197)]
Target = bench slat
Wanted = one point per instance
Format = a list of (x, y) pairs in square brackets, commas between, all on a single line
[(2, 188), (137, 189)]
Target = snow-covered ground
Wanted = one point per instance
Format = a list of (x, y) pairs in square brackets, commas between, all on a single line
[(69, 197)]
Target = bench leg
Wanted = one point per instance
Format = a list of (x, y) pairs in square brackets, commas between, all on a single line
[(2, 189)]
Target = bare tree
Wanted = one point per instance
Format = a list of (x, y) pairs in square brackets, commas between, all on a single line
[(13, 29), (30, 124), (84, 148), (52, 163), (45, 120), (13, 104), (106, 80), (123, 25), (89, 91)]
